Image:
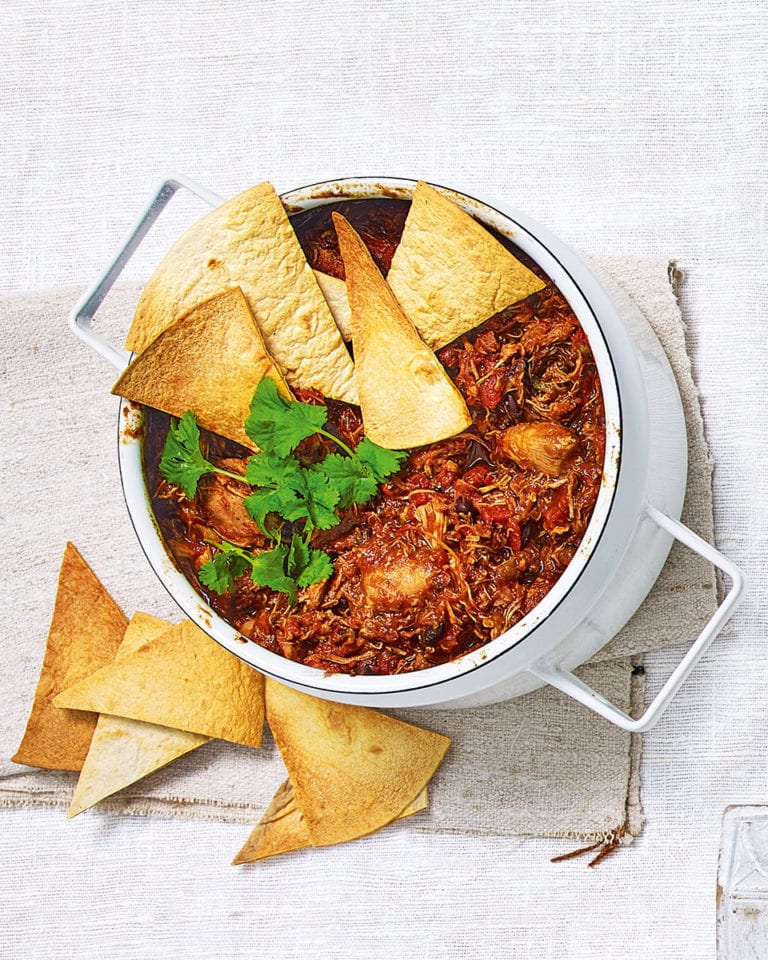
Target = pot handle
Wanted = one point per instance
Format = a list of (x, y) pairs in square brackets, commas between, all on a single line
[(569, 683), (84, 311)]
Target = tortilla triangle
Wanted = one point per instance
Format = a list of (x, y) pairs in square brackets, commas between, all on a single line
[(210, 361), (123, 751), (249, 242), (449, 273), (406, 397), (86, 630), (181, 679), (335, 292), (353, 769), (282, 828)]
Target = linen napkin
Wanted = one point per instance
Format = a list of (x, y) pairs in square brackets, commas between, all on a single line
[(538, 765)]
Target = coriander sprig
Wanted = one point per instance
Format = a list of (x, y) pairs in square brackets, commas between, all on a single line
[(285, 491), (284, 568), (182, 463), (277, 424)]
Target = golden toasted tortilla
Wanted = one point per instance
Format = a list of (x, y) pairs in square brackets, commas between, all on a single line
[(86, 631), (181, 679), (282, 827), (249, 242), (123, 751), (449, 273), (280, 830), (354, 770), (210, 361), (335, 292), (406, 397)]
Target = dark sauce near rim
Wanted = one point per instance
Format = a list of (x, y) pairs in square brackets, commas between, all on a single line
[(463, 541)]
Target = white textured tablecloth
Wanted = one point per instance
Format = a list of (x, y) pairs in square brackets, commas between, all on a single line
[(626, 127)]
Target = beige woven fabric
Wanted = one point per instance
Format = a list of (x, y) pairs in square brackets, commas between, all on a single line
[(539, 765)]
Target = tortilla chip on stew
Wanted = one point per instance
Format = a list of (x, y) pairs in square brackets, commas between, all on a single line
[(123, 751), (282, 828), (209, 361), (449, 273), (249, 242), (86, 630), (406, 397), (181, 679), (335, 292), (353, 769)]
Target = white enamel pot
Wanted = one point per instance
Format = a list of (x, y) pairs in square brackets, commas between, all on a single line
[(634, 522)]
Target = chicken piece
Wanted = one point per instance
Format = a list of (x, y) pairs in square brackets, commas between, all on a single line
[(221, 506), (399, 579), (547, 447)]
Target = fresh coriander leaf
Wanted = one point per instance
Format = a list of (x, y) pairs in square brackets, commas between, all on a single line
[(219, 573), (305, 565), (351, 478), (264, 501), (181, 462), (285, 568), (268, 470), (314, 501), (268, 570), (278, 425), (281, 488), (298, 556), (322, 498), (381, 462), (318, 567), (297, 509)]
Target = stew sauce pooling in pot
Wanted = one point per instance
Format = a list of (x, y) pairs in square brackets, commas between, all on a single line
[(470, 534)]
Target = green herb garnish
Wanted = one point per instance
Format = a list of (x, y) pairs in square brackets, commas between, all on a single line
[(277, 424), (284, 568), (182, 463), (285, 491)]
